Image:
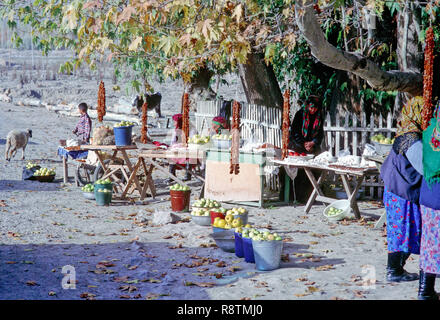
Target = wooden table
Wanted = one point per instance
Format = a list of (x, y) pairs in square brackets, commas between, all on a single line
[(111, 168), (148, 159), (344, 172), (379, 160)]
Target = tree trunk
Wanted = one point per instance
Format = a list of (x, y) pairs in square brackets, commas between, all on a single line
[(409, 51), (259, 82), (410, 82), (199, 88)]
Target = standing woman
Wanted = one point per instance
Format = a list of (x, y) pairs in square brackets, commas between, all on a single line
[(430, 208), (402, 175)]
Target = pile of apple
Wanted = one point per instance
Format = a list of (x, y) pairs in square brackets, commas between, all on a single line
[(125, 124), (236, 211), (198, 139), (31, 165), (44, 172), (380, 138), (222, 137), (179, 187), (332, 211), (200, 212), (258, 235), (228, 222), (219, 210), (206, 203), (88, 188), (105, 181)]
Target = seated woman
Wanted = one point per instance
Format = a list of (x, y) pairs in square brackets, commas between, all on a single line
[(307, 128), (218, 124)]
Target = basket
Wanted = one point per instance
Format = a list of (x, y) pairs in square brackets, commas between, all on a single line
[(339, 204), (381, 148), (89, 195), (45, 178), (201, 220)]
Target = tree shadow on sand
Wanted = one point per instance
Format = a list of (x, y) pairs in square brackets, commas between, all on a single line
[(124, 270), (27, 185)]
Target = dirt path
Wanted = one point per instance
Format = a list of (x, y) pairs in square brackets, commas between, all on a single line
[(116, 253)]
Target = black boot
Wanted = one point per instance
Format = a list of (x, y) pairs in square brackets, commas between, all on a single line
[(426, 286), (173, 172), (395, 271)]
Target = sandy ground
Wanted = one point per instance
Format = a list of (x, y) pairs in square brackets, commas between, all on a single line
[(117, 254)]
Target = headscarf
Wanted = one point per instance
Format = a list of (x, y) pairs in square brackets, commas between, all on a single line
[(220, 121), (411, 117), (178, 118), (313, 101), (431, 149), (409, 126)]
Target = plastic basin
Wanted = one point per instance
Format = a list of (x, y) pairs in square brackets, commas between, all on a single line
[(339, 204), (201, 220), (89, 195)]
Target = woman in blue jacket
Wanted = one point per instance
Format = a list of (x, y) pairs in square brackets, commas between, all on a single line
[(402, 175)]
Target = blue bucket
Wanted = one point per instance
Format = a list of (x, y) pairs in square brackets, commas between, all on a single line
[(238, 245), (267, 254), (123, 135), (248, 251)]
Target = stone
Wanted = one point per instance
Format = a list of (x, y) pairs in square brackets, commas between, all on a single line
[(164, 217)]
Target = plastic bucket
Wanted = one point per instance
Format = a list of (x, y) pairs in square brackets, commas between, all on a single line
[(103, 198), (238, 245), (244, 217), (180, 200), (214, 215), (108, 186), (267, 254), (123, 135), (248, 250)]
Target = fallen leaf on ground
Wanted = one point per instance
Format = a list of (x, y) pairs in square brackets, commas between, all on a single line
[(358, 293), (312, 289), (324, 268), (128, 288), (124, 296), (120, 279), (31, 283), (52, 293)]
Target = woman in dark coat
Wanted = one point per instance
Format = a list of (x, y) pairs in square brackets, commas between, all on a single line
[(307, 128), (402, 173)]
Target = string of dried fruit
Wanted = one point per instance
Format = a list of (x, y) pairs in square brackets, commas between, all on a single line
[(286, 124), (101, 102), (235, 143), (428, 75), (144, 138), (185, 118)]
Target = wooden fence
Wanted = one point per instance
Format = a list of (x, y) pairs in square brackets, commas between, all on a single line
[(346, 133)]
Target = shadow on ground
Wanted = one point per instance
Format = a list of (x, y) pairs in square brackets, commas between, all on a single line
[(127, 270), (27, 185)]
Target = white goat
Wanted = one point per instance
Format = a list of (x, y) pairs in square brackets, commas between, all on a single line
[(16, 140)]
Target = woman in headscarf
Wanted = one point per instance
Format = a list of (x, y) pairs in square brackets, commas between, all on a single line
[(430, 210), (402, 175), (307, 129), (218, 124)]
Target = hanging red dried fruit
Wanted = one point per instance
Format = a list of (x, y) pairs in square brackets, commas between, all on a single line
[(286, 124), (101, 102), (144, 137), (185, 118), (428, 75), (235, 143)]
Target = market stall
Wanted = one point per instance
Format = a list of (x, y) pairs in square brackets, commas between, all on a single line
[(357, 172)]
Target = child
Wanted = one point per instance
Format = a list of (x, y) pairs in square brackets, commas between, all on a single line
[(84, 126)]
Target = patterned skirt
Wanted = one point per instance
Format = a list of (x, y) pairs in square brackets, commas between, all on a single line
[(430, 243), (404, 225)]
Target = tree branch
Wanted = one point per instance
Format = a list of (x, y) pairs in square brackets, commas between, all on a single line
[(355, 63)]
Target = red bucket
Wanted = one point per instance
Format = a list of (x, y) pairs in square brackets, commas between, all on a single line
[(180, 200), (215, 215)]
